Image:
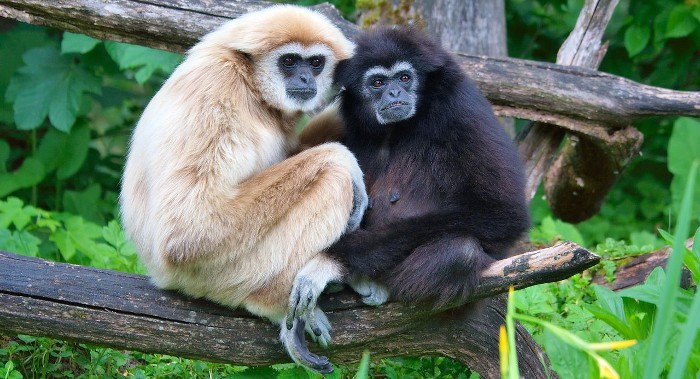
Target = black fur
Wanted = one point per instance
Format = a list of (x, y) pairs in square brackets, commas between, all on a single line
[(456, 173)]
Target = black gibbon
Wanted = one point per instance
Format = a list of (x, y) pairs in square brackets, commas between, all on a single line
[(214, 196), (445, 181)]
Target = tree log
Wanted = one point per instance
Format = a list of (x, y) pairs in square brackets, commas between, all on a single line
[(637, 270), (125, 311), (588, 166), (585, 170), (582, 48), (575, 98)]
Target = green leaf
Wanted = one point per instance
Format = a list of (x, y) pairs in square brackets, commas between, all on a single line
[(113, 234), (636, 38), (65, 151), (77, 43), (692, 258), (84, 203), (74, 152), (257, 372), (566, 360), (28, 174), (49, 85), (683, 149), (13, 211), (16, 41), (613, 320), (78, 235), (533, 300), (145, 61), (688, 337), (551, 229), (680, 22), (20, 242)]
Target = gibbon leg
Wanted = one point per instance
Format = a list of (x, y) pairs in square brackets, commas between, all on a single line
[(307, 202), (444, 270), (302, 205)]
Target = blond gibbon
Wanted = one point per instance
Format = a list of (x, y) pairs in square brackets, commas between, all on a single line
[(215, 194)]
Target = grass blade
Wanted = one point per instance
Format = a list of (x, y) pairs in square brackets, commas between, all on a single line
[(513, 370), (664, 310), (690, 332), (363, 368)]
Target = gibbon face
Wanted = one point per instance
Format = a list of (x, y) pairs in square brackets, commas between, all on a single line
[(288, 53), (294, 77), (392, 92)]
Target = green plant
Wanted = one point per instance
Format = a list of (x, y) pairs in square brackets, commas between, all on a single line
[(70, 105), (653, 313), (509, 361), (65, 237)]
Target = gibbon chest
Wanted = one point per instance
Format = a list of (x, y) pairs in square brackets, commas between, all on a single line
[(400, 184)]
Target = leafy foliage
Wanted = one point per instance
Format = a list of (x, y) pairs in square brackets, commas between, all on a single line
[(49, 84)]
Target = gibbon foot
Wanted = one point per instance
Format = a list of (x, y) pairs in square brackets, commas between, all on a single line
[(372, 292), (293, 340), (319, 318), (302, 304)]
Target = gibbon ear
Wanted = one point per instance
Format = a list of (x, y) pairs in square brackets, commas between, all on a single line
[(341, 71), (434, 57)]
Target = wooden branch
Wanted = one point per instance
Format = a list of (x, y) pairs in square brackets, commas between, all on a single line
[(637, 270), (588, 165), (125, 311), (581, 48), (173, 25), (572, 97), (585, 170)]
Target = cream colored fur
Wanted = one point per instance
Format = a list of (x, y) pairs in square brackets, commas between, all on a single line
[(210, 196)]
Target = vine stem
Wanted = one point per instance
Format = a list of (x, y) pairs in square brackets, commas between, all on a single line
[(35, 194)]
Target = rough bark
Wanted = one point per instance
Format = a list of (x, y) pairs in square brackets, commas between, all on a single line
[(475, 27), (582, 48), (585, 170), (125, 311)]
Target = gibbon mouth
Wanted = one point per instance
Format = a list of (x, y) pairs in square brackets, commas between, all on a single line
[(302, 93), (394, 105)]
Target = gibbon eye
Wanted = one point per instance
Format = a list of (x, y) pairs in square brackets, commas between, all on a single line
[(376, 83), (316, 62), (288, 61), (404, 78)]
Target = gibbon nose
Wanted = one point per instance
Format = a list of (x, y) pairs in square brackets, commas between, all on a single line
[(394, 92)]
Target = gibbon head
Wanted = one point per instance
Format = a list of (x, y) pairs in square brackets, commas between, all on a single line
[(294, 51), (393, 73)]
